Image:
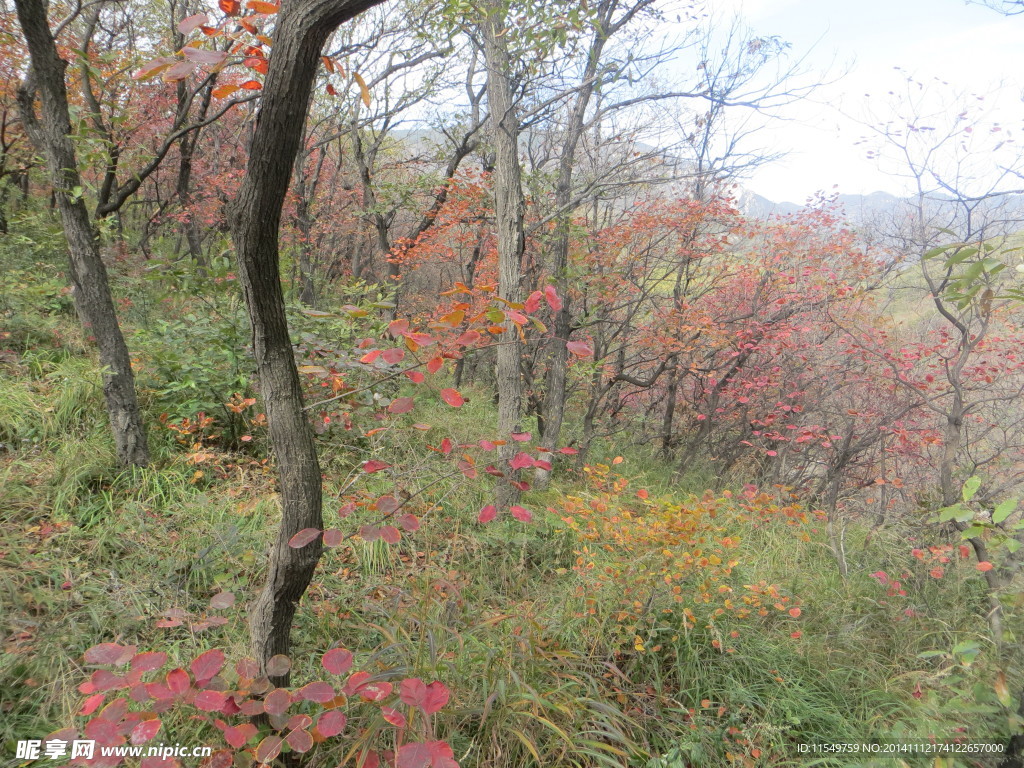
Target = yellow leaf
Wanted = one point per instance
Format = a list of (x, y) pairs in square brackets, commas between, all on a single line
[(362, 87), (1002, 689)]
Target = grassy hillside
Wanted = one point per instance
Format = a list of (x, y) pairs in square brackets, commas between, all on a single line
[(635, 622)]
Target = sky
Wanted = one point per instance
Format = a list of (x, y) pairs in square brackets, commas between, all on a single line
[(973, 48)]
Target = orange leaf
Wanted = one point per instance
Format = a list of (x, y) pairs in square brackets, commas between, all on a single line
[(223, 91), (251, 85), (261, 7)]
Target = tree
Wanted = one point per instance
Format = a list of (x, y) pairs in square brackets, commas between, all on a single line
[(509, 211), (51, 133), (302, 29)]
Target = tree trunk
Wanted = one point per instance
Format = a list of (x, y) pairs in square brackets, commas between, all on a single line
[(509, 208), (51, 132), (302, 29), (558, 356)]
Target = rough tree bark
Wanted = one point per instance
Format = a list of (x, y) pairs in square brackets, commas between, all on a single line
[(51, 132), (303, 27), (509, 209)]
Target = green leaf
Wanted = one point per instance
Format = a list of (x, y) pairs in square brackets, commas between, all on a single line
[(948, 513), (968, 650), (1003, 510), (971, 487), (961, 255), (964, 514)]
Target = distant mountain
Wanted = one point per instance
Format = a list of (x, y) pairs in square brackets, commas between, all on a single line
[(858, 207)]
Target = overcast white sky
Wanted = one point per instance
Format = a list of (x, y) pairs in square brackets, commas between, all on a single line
[(972, 47)]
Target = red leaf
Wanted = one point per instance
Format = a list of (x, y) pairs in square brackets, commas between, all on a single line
[(247, 669), (331, 723), (300, 740), (179, 71), (435, 364), (91, 704), (393, 716), (193, 22), (355, 680), (452, 397), (103, 731), (304, 537), (257, 64), (153, 68), (487, 445), (521, 437), (369, 357), (387, 505), (519, 513), (398, 328), (436, 698), (333, 537), (104, 680), (446, 446), (568, 451), (375, 691), (206, 665), (277, 701), (374, 466), (230, 7), (237, 736), (414, 756), (409, 522), (204, 57), (144, 731), (415, 377), (337, 661), (533, 303), (390, 534), (369, 532), (393, 356), (222, 600), (552, 298), (115, 710), (579, 348), (401, 405), (251, 85), (269, 748), (434, 754), (319, 692), (278, 665), (468, 338), (412, 691), (521, 461), (178, 681), (487, 514), (210, 701), (106, 653)]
